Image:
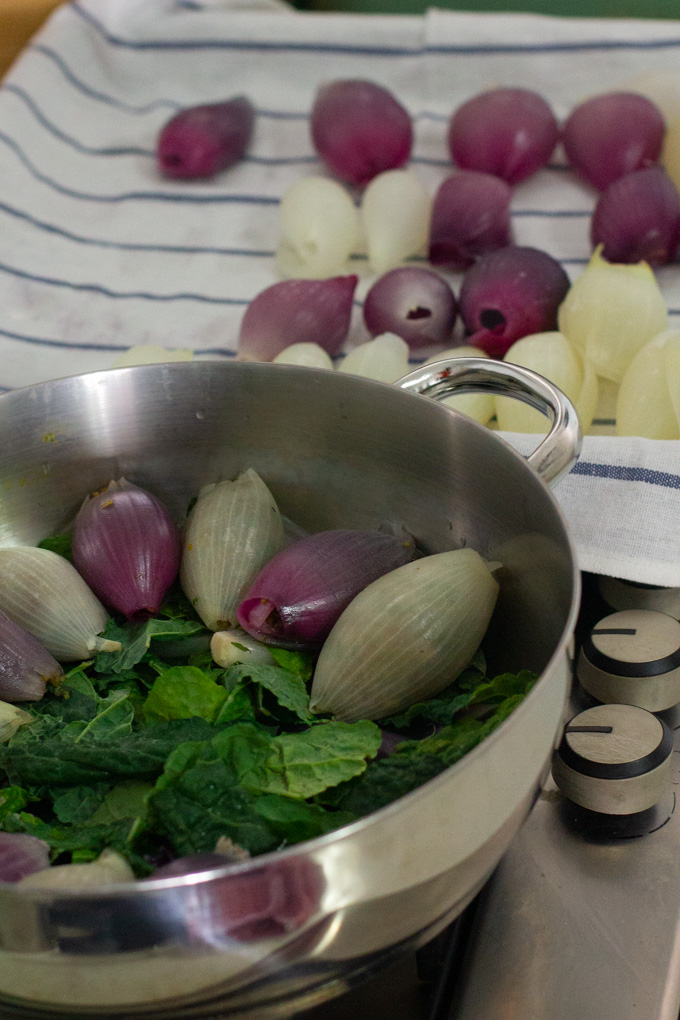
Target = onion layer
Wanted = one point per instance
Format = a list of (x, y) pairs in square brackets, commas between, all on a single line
[(300, 593), (470, 216), (508, 132), (509, 294), (611, 135), (638, 217), (359, 129), (126, 547)]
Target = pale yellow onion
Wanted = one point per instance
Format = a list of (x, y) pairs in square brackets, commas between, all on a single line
[(645, 406), (11, 718), (480, 406), (551, 355), (151, 354), (232, 530), (670, 154), (384, 358), (611, 310), (109, 868), (228, 647), (319, 229), (308, 355), (673, 374), (46, 595), (586, 402), (395, 215), (405, 637)]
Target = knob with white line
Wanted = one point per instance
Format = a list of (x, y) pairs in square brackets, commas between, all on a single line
[(620, 594), (633, 658), (614, 759)]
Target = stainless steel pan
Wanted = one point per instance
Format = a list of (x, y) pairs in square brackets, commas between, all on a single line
[(287, 929)]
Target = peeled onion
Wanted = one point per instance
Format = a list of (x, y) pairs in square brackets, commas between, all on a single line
[(470, 216), (509, 132), (307, 355), (417, 304), (645, 406), (385, 358), (638, 217), (611, 135), (480, 406), (319, 226), (359, 129), (395, 213)]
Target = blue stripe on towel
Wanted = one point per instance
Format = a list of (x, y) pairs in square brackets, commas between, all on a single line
[(627, 474)]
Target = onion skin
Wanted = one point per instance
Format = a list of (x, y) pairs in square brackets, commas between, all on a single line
[(298, 596), (21, 855), (470, 216), (638, 218), (25, 666), (511, 293), (416, 304), (297, 311), (508, 132), (126, 547), (359, 129), (202, 140), (611, 135)]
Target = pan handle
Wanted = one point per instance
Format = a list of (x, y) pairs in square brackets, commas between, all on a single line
[(556, 455)]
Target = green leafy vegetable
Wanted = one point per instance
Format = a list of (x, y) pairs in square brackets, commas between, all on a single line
[(183, 692), (288, 688)]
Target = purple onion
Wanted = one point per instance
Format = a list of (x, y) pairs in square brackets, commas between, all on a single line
[(470, 216), (416, 304), (25, 666), (508, 132), (126, 548), (388, 743), (511, 293), (638, 217), (202, 140), (297, 312), (21, 855), (612, 135), (192, 864), (360, 129), (298, 596)]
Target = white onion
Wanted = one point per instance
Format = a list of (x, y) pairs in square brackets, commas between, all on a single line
[(551, 355), (305, 354), (384, 358), (319, 227), (480, 406), (645, 405), (395, 214)]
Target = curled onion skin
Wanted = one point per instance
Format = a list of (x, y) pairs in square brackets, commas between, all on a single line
[(417, 304), (611, 135), (509, 132), (360, 129), (511, 293), (25, 666), (296, 312), (470, 216), (126, 546), (202, 140), (638, 218), (297, 597), (21, 855)]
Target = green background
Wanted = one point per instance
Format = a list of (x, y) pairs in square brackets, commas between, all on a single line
[(571, 8)]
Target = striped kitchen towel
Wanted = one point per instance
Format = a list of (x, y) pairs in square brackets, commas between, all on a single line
[(98, 252)]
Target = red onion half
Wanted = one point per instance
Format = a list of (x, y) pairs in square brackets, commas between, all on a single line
[(638, 217), (127, 548), (301, 592), (509, 294), (25, 666), (470, 216), (360, 129), (508, 132), (416, 304), (612, 135), (202, 140), (297, 312), (21, 855)]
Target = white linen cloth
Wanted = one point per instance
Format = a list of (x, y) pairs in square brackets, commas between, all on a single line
[(98, 252)]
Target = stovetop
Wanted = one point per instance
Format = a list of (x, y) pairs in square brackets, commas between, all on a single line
[(580, 921)]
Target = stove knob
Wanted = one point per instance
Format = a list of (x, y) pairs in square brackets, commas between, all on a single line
[(633, 658), (614, 759), (621, 594)]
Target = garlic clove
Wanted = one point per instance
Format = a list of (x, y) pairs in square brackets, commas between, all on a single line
[(108, 869), (43, 593), (385, 358), (395, 214), (228, 647), (405, 637), (320, 226), (232, 530)]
